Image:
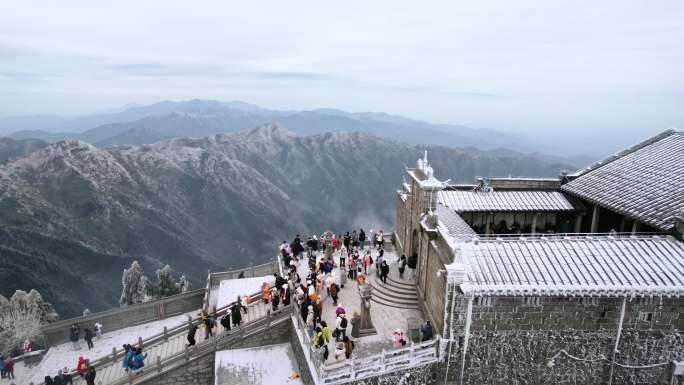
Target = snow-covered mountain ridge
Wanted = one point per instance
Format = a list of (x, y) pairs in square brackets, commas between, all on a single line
[(73, 215)]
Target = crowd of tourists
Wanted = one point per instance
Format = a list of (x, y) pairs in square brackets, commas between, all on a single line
[(343, 258)]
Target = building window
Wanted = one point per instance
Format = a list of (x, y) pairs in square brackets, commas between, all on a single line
[(532, 301), (646, 301), (645, 316), (483, 302), (589, 301)]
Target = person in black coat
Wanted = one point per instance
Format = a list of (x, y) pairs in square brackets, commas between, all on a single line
[(235, 314), (225, 322), (384, 271), (279, 281), (59, 379), (90, 375), (362, 239), (426, 331), (74, 335), (89, 338), (191, 334)]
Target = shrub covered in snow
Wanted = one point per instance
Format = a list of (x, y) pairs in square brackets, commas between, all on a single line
[(137, 288), (21, 317)]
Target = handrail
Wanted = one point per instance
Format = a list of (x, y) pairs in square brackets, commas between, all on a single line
[(92, 316), (205, 347), (494, 236), (232, 274), (414, 355)]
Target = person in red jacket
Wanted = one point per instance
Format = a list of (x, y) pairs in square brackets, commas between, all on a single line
[(82, 366)]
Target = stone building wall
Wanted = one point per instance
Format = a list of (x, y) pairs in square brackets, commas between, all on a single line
[(298, 350), (432, 287), (423, 375), (512, 343), (197, 372)]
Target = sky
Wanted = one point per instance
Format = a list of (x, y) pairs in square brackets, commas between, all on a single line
[(566, 68)]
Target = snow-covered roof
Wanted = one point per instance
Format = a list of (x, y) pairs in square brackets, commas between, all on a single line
[(472, 200), (452, 226), (575, 265), (645, 182)]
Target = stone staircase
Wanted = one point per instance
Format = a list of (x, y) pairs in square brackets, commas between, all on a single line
[(159, 351), (397, 292)]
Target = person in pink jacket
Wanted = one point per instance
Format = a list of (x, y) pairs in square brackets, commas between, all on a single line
[(398, 339)]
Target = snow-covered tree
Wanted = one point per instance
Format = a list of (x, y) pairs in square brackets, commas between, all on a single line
[(146, 291), (166, 285), (21, 317), (136, 287), (184, 285)]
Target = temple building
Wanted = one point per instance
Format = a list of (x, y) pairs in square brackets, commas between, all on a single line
[(571, 280)]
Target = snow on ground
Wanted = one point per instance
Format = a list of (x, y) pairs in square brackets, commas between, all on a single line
[(230, 289), (266, 365), (60, 356)]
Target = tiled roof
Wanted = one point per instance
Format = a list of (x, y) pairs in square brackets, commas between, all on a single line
[(452, 226), (562, 266), (470, 200), (645, 182)]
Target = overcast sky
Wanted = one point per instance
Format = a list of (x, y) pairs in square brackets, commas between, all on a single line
[(592, 66)]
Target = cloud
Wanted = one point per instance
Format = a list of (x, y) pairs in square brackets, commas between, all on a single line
[(528, 65)]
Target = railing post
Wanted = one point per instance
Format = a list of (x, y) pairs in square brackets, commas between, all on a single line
[(159, 364), (411, 351), (114, 353), (187, 353), (140, 344), (352, 371), (382, 360), (166, 333)]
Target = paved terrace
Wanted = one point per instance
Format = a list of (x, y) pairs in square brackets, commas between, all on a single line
[(386, 319)]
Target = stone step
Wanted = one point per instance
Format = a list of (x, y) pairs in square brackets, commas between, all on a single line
[(394, 305), (388, 292), (392, 298), (395, 300), (399, 286)]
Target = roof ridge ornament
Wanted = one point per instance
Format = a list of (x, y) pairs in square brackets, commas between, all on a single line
[(483, 185)]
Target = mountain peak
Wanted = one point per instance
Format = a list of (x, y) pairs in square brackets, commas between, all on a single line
[(268, 131)]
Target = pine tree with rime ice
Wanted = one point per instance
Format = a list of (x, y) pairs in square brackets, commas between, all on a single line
[(21, 318), (166, 285), (184, 285), (136, 287)]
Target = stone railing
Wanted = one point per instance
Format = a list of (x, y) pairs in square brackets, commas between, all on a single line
[(119, 318), (353, 369), (411, 356), (267, 268), (214, 279)]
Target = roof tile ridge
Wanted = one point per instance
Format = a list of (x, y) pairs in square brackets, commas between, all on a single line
[(626, 151)]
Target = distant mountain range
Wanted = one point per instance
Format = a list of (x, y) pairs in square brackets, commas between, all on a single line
[(73, 215), (199, 118)]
